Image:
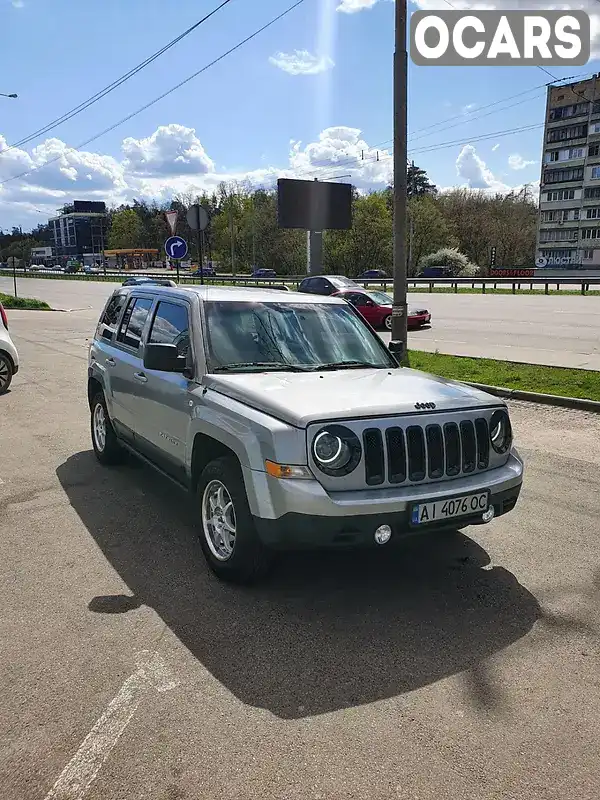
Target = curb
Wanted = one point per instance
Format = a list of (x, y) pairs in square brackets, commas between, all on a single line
[(535, 397)]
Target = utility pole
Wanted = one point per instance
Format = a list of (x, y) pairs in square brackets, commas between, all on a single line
[(398, 343)]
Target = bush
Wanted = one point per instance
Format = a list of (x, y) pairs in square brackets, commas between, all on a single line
[(470, 271), (449, 258)]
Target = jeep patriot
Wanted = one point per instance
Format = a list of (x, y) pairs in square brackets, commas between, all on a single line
[(291, 423)]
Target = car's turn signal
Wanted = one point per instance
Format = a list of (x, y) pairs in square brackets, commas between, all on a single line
[(286, 470)]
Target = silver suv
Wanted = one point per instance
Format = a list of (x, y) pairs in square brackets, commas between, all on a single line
[(291, 422)]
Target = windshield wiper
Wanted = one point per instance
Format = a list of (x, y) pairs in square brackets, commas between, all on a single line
[(275, 365), (345, 364)]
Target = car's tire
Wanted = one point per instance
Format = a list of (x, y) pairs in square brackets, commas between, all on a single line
[(104, 439), (387, 322), (225, 514), (6, 373)]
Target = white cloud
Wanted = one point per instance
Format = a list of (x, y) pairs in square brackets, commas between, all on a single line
[(171, 150), (301, 62), (468, 108), (495, 147), (18, 3), (472, 169), (518, 162), (352, 6), (172, 161), (342, 150)]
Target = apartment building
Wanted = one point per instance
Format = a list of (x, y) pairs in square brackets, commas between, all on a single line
[(569, 216)]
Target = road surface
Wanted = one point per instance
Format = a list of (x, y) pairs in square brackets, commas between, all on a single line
[(457, 668), (557, 330)]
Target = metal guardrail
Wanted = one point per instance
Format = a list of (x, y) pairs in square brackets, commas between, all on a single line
[(428, 284)]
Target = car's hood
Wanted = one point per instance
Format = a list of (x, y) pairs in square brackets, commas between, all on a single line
[(300, 398)]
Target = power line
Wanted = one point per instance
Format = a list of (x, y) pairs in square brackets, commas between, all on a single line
[(454, 143), (114, 85), (162, 96)]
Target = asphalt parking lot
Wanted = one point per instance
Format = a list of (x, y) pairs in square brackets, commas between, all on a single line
[(558, 330), (453, 668)]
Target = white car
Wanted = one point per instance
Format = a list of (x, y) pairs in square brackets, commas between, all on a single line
[(9, 358)]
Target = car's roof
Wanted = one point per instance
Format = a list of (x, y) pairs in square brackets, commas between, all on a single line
[(238, 293)]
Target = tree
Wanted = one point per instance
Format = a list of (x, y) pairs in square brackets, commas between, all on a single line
[(428, 229), (368, 244), (417, 182), (126, 230)]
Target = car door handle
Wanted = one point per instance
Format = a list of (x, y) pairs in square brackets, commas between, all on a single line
[(110, 362), (139, 376)]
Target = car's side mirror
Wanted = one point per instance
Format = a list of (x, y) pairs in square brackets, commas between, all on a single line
[(369, 303), (163, 358)]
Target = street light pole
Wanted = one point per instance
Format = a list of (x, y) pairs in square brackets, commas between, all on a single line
[(398, 344), (12, 96)]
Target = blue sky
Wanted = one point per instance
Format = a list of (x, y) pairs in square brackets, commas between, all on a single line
[(240, 117)]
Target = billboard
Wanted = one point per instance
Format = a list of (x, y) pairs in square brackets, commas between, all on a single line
[(314, 205), (41, 252), (88, 207)]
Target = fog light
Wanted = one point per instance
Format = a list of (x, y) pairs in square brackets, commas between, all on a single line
[(488, 515), (383, 534)]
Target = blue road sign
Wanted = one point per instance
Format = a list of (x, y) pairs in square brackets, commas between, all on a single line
[(176, 247)]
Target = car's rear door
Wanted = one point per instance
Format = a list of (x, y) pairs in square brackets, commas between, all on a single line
[(125, 364)]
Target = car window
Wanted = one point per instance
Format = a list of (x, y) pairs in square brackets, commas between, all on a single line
[(357, 299), (134, 319), (306, 284), (171, 326), (108, 322)]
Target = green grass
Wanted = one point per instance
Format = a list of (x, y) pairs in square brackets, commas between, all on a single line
[(561, 381), (8, 301)]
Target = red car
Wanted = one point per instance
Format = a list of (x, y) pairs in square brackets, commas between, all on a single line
[(376, 308)]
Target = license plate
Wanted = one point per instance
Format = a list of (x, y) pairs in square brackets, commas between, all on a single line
[(439, 510)]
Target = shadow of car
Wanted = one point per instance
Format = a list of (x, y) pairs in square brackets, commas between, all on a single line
[(327, 632)]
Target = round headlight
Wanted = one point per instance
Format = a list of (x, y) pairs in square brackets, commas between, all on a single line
[(336, 450), (500, 431)]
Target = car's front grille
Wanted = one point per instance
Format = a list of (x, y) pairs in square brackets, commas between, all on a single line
[(431, 452)]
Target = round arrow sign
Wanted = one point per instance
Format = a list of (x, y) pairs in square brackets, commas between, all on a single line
[(176, 247)]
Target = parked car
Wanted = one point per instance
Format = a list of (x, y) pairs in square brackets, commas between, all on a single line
[(372, 273), (326, 284), (376, 308), (291, 423), (206, 271), (264, 273), (148, 282), (437, 272), (91, 270), (9, 358)]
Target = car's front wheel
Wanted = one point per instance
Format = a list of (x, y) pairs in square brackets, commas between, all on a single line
[(104, 439), (228, 537), (6, 373)]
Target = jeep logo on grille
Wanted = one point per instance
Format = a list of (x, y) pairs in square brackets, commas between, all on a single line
[(421, 406)]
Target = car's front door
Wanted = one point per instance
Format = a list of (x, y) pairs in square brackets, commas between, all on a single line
[(365, 305), (164, 410)]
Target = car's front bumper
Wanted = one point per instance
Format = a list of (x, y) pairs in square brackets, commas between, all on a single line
[(294, 512), (307, 531)]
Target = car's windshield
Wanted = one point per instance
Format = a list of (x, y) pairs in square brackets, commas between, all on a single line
[(254, 336), (381, 298), (338, 281)]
